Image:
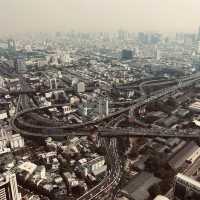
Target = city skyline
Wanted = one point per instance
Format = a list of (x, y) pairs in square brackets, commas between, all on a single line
[(94, 15), (99, 99)]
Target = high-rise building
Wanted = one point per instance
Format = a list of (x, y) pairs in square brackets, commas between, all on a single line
[(189, 39), (157, 53), (126, 54), (103, 107), (11, 46), (53, 83), (81, 87), (20, 65), (198, 35), (143, 37), (155, 38), (122, 35), (198, 47), (8, 187)]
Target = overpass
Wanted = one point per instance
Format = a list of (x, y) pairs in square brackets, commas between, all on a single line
[(107, 134), (19, 123), (150, 133), (42, 91)]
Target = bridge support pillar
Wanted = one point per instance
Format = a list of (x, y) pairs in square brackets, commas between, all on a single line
[(197, 172), (131, 117)]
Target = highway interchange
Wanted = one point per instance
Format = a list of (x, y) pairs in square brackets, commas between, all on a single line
[(107, 133), (107, 126)]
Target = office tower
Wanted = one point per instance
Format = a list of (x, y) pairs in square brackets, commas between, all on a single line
[(157, 53), (103, 107), (8, 187), (20, 65), (11, 46), (81, 87), (198, 47), (143, 37), (155, 38), (107, 107), (53, 84), (198, 35), (126, 54), (122, 35)]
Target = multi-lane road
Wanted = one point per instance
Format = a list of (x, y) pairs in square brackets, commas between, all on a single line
[(112, 179), (150, 133), (20, 124)]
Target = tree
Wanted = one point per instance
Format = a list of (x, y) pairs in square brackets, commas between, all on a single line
[(154, 190), (133, 153), (171, 102)]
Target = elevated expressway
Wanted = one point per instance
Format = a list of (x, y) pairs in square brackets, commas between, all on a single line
[(150, 133), (107, 134), (20, 123), (147, 83), (42, 91)]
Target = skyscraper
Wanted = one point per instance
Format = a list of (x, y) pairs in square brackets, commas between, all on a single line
[(8, 187), (103, 107), (198, 47), (157, 53), (20, 65), (11, 46), (198, 35), (126, 54)]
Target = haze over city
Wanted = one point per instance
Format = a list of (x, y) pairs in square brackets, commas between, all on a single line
[(99, 15), (99, 100)]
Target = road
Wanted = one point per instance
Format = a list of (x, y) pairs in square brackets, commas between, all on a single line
[(109, 183), (41, 131), (150, 133), (112, 179)]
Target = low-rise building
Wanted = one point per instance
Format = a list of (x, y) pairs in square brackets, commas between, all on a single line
[(160, 197), (25, 170), (195, 107), (188, 152), (3, 114), (137, 188), (95, 166), (16, 141)]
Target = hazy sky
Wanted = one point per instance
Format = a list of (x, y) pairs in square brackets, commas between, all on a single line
[(99, 15)]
